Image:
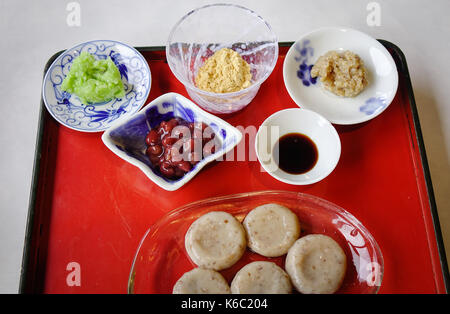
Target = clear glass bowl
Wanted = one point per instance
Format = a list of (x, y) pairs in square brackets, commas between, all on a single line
[(207, 29), (161, 258)]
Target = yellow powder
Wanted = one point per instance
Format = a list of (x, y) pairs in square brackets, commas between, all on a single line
[(224, 72)]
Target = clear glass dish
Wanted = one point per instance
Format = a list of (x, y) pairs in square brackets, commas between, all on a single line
[(161, 258), (207, 29)]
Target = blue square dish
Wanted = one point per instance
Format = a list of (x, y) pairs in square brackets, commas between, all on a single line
[(127, 138)]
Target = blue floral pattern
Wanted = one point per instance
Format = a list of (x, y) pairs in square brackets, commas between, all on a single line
[(373, 105), (68, 109), (304, 70), (116, 58), (129, 136)]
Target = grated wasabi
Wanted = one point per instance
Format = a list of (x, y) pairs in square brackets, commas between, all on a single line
[(93, 80)]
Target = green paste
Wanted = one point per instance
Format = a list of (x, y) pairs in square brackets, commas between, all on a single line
[(93, 80)]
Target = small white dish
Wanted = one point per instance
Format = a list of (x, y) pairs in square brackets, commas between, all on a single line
[(68, 109), (308, 93), (305, 122), (126, 138)]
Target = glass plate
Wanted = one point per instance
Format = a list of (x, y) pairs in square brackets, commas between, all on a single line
[(161, 258)]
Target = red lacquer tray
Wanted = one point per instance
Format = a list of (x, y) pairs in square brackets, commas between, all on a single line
[(89, 209)]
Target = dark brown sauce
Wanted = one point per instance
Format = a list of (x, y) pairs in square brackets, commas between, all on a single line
[(295, 153)]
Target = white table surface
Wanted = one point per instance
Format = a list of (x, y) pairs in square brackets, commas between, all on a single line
[(32, 31)]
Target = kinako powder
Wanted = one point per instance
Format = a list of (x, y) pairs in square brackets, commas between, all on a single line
[(224, 72)]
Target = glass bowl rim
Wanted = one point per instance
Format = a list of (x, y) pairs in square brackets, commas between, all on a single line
[(231, 94)]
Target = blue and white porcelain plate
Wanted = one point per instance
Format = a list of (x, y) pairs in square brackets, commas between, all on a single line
[(68, 110), (126, 139), (308, 93)]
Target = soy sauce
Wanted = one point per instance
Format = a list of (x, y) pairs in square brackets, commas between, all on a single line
[(295, 153)]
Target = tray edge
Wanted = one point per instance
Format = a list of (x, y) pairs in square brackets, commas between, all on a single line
[(424, 162), (34, 183)]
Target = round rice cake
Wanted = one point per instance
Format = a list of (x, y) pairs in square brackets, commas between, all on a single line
[(201, 281), (316, 264), (271, 229), (215, 240), (261, 278)]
